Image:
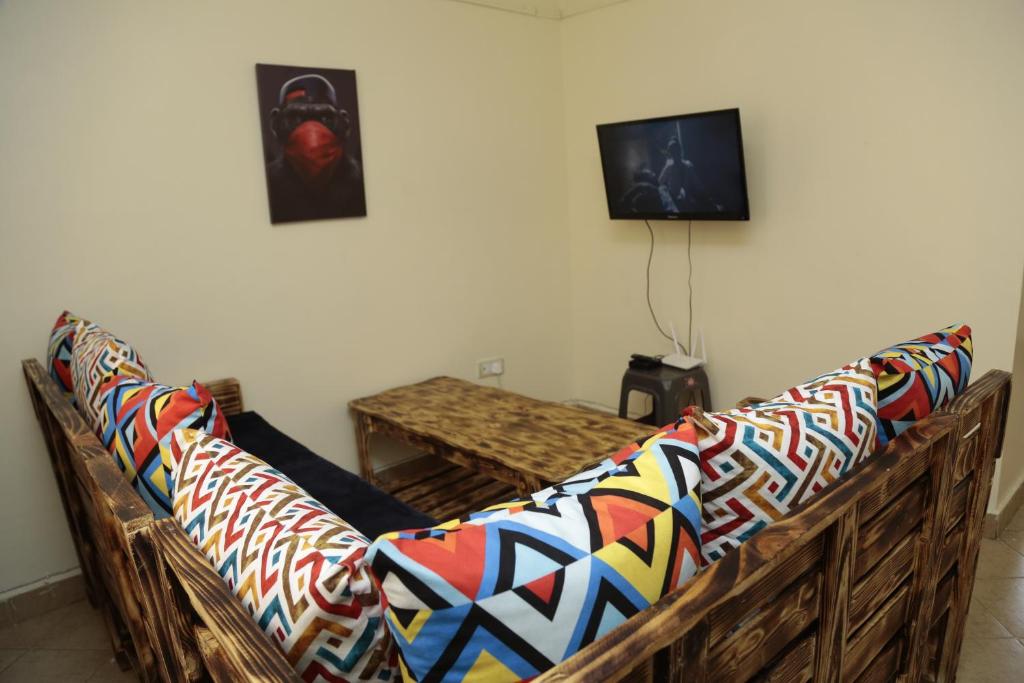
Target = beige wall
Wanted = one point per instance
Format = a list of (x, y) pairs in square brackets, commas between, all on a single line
[(883, 156), (132, 191), (882, 151), (1012, 464)]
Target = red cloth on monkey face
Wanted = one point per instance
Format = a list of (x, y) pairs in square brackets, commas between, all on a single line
[(313, 151)]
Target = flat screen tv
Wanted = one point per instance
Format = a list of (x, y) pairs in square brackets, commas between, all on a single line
[(676, 167)]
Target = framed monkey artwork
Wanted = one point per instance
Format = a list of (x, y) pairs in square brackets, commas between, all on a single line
[(312, 149)]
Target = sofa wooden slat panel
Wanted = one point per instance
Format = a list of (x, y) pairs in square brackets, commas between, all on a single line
[(951, 547), (756, 643), (795, 665), (723, 620), (958, 501), (878, 584), (986, 401), (869, 641), (900, 504), (884, 667), (876, 538)]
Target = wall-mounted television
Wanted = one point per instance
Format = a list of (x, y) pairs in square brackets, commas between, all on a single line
[(676, 167)]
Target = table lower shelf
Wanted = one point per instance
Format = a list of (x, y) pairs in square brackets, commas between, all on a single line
[(442, 489)]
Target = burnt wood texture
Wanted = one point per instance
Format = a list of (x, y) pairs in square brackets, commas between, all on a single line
[(869, 581), (169, 615), (522, 442)]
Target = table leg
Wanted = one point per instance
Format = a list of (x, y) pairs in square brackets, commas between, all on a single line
[(363, 431), (527, 486)]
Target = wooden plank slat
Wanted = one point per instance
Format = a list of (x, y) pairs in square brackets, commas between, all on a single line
[(926, 574), (728, 617), (958, 501), (840, 550), (942, 596), (227, 393), (867, 643), (967, 454), (880, 535), (951, 547), (883, 669), (757, 641), (399, 477), (878, 584), (796, 665), (482, 496)]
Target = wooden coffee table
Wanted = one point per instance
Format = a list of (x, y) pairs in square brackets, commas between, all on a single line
[(482, 444)]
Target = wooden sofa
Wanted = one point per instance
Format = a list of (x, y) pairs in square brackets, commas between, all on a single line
[(870, 581)]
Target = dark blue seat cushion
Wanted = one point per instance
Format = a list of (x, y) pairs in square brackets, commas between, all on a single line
[(364, 506)]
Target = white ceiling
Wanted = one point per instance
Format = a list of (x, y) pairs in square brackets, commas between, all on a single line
[(546, 9)]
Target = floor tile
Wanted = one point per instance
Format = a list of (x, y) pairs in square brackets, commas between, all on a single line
[(111, 673), (25, 634), (997, 560), (7, 657), (1017, 522), (1014, 539), (73, 666), (1004, 599), (75, 627), (981, 623), (990, 660)]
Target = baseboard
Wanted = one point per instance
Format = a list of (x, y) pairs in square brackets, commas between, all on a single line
[(995, 522), (40, 597)]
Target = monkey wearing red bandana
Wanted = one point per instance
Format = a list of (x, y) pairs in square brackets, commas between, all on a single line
[(314, 175)]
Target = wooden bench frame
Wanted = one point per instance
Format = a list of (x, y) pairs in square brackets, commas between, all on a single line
[(870, 581)]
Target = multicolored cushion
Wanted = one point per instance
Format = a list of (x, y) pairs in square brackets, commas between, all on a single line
[(58, 351), (297, 568), (919, 376), (136, 422), (760, 461), (506, 593), (95, 357)]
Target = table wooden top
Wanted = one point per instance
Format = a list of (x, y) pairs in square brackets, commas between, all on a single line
[(549, 441)]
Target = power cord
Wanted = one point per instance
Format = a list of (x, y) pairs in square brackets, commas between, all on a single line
[(689, 282)]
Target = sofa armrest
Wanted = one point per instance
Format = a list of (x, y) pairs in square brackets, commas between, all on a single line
[(228, 394), (210, 632)]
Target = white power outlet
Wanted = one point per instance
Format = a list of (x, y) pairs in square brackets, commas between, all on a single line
[(492, 367)]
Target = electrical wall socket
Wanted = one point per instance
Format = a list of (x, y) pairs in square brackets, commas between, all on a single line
[(492, 367)]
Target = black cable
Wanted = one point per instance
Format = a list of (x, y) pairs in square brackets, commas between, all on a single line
[(650, 307), (689, 284), (689, 281)]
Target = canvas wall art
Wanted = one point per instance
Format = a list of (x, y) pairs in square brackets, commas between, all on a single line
[(311, 142)]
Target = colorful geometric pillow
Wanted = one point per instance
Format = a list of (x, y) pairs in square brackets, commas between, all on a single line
[(506, 593), (58, 351), (136, 422), (760, 461), (297, 568), (95, 357), (920, 376)]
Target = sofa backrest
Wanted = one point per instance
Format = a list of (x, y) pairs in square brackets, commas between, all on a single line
[(869, 580)]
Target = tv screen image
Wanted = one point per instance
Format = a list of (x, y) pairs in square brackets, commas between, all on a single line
[(676, 167)]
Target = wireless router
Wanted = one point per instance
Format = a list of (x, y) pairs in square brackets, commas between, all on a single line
[(681, 360)]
